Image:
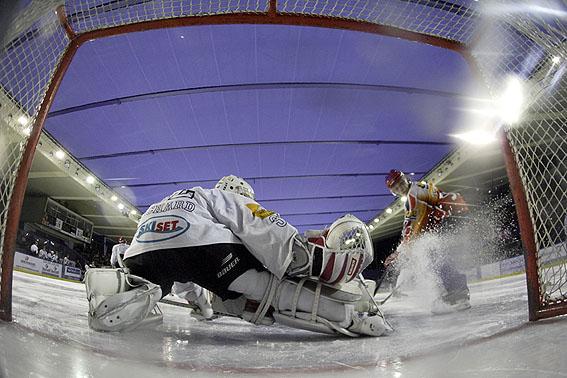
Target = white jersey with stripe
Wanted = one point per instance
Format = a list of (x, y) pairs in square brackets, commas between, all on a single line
[(118, 249), (197, 216)]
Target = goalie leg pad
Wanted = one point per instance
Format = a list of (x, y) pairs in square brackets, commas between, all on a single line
[(318, 307), (119, 301), (320, 325)]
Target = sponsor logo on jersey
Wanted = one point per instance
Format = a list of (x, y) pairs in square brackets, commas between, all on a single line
[(160, 228), (258, 211)]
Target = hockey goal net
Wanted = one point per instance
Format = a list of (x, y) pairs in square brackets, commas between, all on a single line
[(498, 38)]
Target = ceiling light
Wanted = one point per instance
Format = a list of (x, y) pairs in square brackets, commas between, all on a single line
[(23, 120), (389, 210), (90, 179), (477, 137), (371, 227), (133, 212), (404, 199), (113, 198), (376, 220), (27, 131), (120, 206), (60, 155), (555, 60), (509, 105)]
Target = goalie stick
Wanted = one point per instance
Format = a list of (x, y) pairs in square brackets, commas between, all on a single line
[(361, 278)]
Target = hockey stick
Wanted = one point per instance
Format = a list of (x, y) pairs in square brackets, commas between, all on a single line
[(365, 286), (389, 295), (361, 279)]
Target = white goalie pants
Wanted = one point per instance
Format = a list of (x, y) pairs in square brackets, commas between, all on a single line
[(253, 285)]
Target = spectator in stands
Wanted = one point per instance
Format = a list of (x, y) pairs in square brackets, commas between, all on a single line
[(33, 248), (118, 249), (43, 251)]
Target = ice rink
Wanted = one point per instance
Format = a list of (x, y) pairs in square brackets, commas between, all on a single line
[(50, 338)]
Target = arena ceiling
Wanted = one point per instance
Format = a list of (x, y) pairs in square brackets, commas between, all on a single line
[(313, 118)]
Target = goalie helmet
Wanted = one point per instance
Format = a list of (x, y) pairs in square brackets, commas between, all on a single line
[(236, 185), (348, 250)]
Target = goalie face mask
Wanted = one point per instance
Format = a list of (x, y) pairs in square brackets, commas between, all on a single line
[(348, 250)]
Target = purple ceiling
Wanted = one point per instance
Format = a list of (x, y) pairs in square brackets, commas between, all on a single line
[(312, 117)]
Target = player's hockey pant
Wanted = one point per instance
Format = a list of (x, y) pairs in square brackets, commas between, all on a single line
[(450, 278)]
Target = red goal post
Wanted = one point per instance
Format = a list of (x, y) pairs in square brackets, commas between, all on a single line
[(495, 39)]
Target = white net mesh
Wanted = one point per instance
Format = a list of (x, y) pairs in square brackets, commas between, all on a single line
[(98, 14), (532, 47), (452, 20), (507, 37), (27, 64)]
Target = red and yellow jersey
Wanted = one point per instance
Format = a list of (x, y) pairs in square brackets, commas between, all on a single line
[(426, 206)]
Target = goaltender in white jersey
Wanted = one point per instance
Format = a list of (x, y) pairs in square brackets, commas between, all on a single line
[(198, 217), (256, 264)]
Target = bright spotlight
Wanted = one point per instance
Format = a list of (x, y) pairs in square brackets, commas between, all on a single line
[(113, 198), (509, 105), (120, 206), (23, 120), (90, 179), (555, 60), (27, 131), (404, 199), (60, 154), (389, 210), (477, 137), (371, 227), (133, 212), (376, 220)]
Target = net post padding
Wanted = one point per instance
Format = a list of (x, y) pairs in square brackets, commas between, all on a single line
[(526, 226), (19, 189)]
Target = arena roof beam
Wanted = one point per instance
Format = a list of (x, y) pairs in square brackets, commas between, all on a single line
[(257, 178), (264, 144), (256, 86)]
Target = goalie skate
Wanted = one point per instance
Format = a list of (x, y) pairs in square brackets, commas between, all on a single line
[(367, 324)]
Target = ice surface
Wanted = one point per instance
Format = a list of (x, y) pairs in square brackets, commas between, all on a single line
[(50, 338)]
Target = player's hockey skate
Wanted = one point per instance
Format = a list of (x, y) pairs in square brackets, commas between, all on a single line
[(457, 300)]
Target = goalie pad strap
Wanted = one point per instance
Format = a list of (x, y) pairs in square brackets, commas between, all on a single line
[(296, 295), (266, 302), (346, 293), (316, 302), (319, 324)]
